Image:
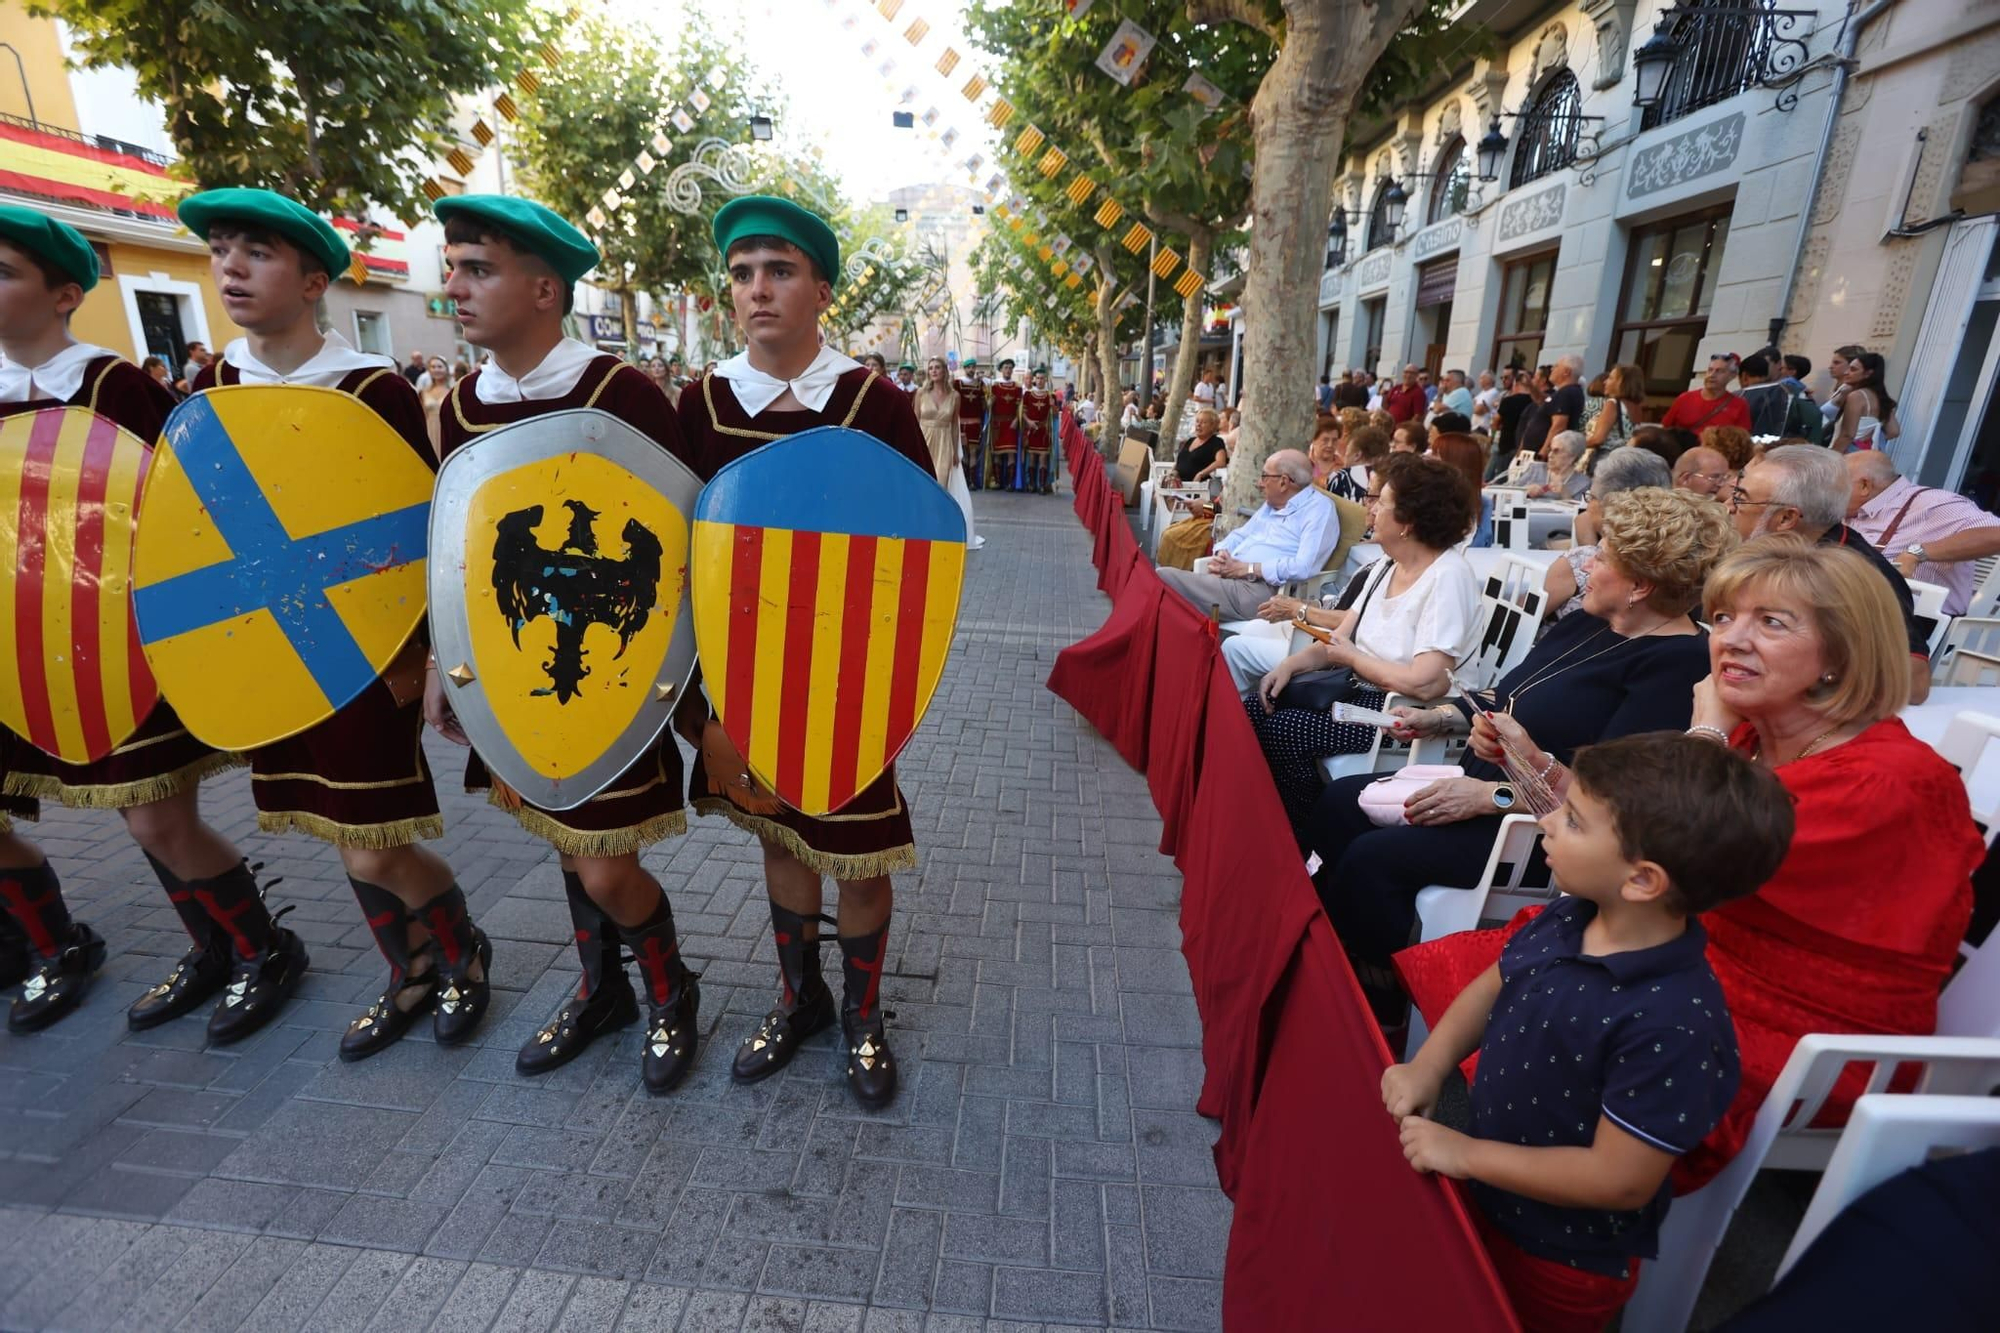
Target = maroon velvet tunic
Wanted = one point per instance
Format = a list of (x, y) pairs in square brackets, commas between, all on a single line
[(1005, 395), (871, 835), (1037, 407), (161, 758), (358, 779), (645, 803)]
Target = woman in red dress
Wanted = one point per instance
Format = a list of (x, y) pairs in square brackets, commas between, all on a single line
[(1858, 930)]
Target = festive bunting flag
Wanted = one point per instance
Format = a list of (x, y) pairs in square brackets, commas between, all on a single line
[(974, 88), (646, 161), (1083, 263), (1190, 283), (1052, 162), (504, 105), (526, 81), (611, 199), (889, 7), (947, 62), (1073, 281), (358, 270), (1108, 214), (596, 217), (1165, 262), (699, 100), (1080, 189), (460, 163), (1028, 141), (1137, 238), (1078, 8), (432, 190), (551, 54), (482, 133), (1126, 54), (916, 32), (1059, 268), (682, 121), (869, 48)]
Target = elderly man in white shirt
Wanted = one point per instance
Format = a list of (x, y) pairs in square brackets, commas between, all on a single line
[(1288, 538)]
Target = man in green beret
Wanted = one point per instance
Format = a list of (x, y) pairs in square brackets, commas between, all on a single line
[(1003, 428), (971, 389), (906, 377), (46, 270), (782, 262), (1038, 424), (357, 780), (514, 267)]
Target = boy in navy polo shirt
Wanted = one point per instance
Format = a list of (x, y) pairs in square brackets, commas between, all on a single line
[(1605, 1049)]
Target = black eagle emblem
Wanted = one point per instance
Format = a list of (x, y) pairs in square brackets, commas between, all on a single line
[(574, 586)]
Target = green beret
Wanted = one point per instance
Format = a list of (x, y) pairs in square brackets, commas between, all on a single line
[(763, 215), (1039, 370), (56, 244), (969, 364), (540, 231), (271, 212), (1005, 361), (907, 365)]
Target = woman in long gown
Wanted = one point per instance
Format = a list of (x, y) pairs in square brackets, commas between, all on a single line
[(937, 413)]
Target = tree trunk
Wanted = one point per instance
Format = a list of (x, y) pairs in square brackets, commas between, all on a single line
[(628, 315), (1298, 122), (1201, 241), (1107, 325)]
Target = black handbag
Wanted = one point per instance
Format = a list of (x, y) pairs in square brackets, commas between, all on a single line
[(1321, 690)]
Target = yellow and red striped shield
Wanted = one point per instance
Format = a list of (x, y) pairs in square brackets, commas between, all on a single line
[(69, 496), (825, 577)]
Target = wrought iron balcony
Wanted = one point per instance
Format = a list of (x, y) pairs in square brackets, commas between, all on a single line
[(1726, 48)]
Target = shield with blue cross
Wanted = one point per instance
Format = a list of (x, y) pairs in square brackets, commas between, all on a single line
[(280, 562)]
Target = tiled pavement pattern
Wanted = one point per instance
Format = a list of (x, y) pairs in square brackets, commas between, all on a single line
[(1042, 1165)]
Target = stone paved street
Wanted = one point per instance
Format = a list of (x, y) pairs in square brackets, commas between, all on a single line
[(1042, 1166)]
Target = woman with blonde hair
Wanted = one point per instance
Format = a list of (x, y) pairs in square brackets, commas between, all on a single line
[(937, 413)]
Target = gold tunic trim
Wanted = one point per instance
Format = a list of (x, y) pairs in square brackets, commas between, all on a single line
[(597, 842), (122, 795), (365, 837), (459, 412), (849, 866)]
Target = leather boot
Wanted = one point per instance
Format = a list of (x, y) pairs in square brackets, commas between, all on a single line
[(66, 953), (673, 1000), (804, 1008), (201, 971), (462, 948), (269, 960), (871, 1069), (603, 1002), (412, 975)]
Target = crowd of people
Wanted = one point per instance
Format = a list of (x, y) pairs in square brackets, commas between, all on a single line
[(1705, 728)]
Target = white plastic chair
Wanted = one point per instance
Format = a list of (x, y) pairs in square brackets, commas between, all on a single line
[(1511, 880), (1967, 666), (1887, 1135), (1985, 587), (1512, 604), (1782, 1137), (1511, 529), (1929, 612)]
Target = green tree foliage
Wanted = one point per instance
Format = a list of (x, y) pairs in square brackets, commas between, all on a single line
[(596, 112), (338, 103)]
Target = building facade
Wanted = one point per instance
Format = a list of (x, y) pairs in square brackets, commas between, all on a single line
[(1805, 177)]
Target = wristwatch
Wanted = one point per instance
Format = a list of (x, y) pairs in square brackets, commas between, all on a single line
[(1503, 797), (1916, 549)]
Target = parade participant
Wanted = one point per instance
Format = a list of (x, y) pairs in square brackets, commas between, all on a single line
[(781, 260), (1038, 432), (938, 406), (906, 377), (46, 268), (972, 423), (357, 780), (872, 360), (1003, 427), (514, 270)]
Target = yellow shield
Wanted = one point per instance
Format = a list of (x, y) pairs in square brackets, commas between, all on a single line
[(558, 599), (280, 563)]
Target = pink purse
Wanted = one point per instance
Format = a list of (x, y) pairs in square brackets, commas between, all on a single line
[(1382, 800)]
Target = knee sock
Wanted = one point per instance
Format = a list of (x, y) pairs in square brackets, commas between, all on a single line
[(33, 898), (659, 955)]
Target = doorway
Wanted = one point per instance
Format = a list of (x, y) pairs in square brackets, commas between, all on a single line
[(160, 321)]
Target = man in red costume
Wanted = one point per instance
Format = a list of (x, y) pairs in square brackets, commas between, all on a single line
[(1003, 427), (154, 778), (1038, 432), (971, 392), (514, 269), (781, 261)]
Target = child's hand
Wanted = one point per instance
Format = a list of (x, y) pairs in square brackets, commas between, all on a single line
[(1408, 1090), (1429, 1146)]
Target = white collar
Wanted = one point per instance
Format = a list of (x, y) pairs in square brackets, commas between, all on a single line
[(335, 360), (59, 377), (554, 377), (756, 390)]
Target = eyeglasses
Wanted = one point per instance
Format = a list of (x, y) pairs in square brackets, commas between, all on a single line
[(1737, 498), (1270, 476)]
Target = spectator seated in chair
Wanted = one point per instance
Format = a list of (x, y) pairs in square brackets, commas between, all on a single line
[(1288, 538)]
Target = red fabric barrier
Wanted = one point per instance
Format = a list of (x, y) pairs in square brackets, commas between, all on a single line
[(1331, 1226)]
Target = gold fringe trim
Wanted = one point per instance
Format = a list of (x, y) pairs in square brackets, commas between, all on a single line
[(122, 795), (849, 866), (366, 837), (596, 842)]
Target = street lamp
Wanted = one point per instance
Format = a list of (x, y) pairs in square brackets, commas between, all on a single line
[(1492, 151), (1398, 200), (1336, 239), (760, 126), (1652, 63)]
